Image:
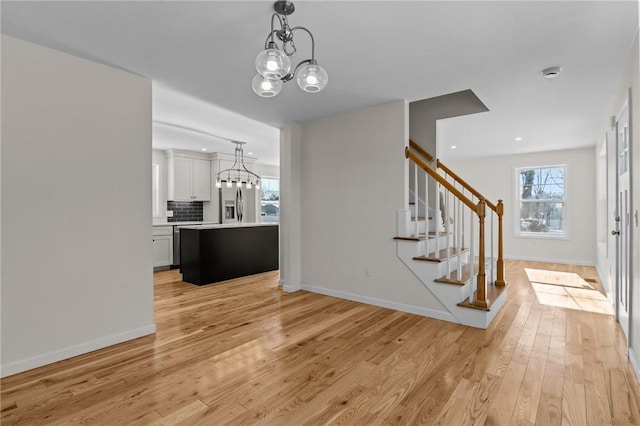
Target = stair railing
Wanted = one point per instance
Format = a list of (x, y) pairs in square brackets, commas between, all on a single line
[(479, 208), (497, 210)]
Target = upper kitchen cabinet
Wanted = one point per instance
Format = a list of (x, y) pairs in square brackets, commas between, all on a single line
[(189, 176)]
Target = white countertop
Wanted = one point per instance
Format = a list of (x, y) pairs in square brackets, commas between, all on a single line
[(205, 225), (229, 225), (192, 222)]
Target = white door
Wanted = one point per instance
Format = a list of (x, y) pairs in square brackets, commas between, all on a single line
[(623, 222)]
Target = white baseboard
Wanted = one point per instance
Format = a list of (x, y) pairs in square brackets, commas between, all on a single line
[(551, 260), (603, 282), (290, 288), (412, 309), (83, 348), (635, 363)]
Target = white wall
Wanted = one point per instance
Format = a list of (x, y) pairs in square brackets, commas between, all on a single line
[(76, 225), (423, 127), (425, 113), (494, 177), (267, 170), (352, 180)]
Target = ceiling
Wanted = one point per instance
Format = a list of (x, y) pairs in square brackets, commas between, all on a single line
[(374, 52)]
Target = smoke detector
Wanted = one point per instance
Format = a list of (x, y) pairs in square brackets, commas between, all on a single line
[(551, 72)]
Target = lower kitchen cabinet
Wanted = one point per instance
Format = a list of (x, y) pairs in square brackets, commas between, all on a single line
[(162, 246)]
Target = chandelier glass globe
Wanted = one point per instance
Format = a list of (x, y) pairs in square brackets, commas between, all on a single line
[(265, 86), (312, 78), (273, 63)]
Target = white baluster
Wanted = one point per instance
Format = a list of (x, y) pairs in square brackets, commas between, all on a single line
[(426, 209), (460, 226), (438, 219), (415, 197), (492, 277), (447, 231), (472, 254)]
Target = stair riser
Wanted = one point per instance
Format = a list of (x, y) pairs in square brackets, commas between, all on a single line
[(448, 294), (422, 226), (431, 244)]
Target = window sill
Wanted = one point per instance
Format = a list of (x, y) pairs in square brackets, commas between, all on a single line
[(541, 236)]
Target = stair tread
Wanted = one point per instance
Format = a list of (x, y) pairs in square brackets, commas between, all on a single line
[(442, 255), (413, 219), (411, 238), (493, 291)]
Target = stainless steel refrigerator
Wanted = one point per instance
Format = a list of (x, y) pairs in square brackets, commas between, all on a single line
[(237, 205)]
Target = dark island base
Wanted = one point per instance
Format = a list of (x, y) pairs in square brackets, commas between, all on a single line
[(218, 254)]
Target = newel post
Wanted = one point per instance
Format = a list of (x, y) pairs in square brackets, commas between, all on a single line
[(500, 264), (481, 295)]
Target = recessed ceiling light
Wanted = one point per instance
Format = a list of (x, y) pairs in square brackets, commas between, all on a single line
[(551, 72), (519, 138), (249, 153), (203, 149), (453, 147)]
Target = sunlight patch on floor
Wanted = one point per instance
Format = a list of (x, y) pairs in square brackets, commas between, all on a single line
[(567, 290)]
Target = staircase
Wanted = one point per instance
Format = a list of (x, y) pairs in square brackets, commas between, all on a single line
[(450, 242)]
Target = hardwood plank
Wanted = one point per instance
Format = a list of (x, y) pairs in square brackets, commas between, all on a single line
[(244, 352), (550, 405)]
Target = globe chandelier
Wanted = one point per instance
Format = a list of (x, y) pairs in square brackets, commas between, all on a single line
[(273, 63)]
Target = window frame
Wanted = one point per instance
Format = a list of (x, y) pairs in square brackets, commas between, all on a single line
[(566, 203), (259, 196)]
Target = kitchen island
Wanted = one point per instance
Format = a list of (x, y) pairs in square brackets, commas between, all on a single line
[(213, 253)]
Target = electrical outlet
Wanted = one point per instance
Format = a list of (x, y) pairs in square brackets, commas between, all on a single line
[(367, 271), (169, 213)]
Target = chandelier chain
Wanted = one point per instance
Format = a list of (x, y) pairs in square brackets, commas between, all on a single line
[(292, 47)]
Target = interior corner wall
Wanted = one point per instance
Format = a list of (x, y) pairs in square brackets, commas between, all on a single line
[(290, 214), (494, 177), (353, 177), (76, 226)]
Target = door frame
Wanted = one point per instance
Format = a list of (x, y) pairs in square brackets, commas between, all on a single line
[(619, 222)]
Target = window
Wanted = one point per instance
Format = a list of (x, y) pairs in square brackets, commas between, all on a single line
[(269, 200), (542, 201)]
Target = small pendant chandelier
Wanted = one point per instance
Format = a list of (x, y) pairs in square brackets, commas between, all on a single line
[(273, 63), (238, 172)]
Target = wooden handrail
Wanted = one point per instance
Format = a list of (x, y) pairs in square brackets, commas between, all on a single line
[(422, 152), (447, 170), (462, 182), (438, 177)]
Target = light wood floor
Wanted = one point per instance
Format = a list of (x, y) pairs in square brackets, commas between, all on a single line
[(244, 352)]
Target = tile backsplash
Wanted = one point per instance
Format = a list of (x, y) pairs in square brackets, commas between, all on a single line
[(185, 211)]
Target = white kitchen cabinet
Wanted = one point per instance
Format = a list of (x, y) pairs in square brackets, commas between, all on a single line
[(202, 180), (162, 246), (189, 178)]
